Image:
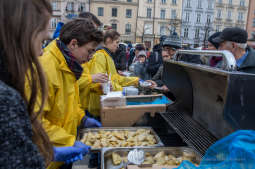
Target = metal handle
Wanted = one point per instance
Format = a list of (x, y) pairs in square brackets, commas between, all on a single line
[(229, 59)]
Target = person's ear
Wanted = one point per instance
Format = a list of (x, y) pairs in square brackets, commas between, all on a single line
[(73, 44), (108, 40)]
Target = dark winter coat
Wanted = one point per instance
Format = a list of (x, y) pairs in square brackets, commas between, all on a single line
[(17, 148), (140, 71), (158, 76), (131, 56), (155, 60), (248, 65), (119, 58)]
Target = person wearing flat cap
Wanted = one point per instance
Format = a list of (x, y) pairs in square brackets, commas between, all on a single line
[(235, 41)]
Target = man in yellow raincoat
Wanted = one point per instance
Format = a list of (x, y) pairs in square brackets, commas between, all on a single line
[(102, 62), (62, 65)]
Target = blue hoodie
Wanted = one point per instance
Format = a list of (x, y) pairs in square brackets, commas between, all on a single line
[(57, 31)]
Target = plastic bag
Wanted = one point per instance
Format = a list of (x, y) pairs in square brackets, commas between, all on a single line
[(236, 151)]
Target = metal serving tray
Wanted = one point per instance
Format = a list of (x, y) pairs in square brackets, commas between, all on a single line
[(106, 155), (83, 131)]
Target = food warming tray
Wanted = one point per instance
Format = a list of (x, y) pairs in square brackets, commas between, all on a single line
[(106, 155), (158, 144)]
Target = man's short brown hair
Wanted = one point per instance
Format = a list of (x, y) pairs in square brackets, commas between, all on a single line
[(112, 34), (89, 15), (82, 30)]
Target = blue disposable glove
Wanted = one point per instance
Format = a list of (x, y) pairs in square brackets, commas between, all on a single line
[(84, 147), (85, 150), (76, 158), (90, 122), (67, 154)]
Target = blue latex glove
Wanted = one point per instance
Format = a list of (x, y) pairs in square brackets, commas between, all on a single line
[(84, 147), (76, 158), (67, 154), (90, 122), (85, 150)]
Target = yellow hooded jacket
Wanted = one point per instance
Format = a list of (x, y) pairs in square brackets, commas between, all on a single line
[(103, 63), (62, 113), (84, 82)]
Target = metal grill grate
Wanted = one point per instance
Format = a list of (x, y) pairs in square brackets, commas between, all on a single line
[(192, 133)]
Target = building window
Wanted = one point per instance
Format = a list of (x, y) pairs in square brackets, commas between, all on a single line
[(148, 28), (219, 13), (53, 23), (208, 20), (114, 26), (229, 15), (70, 6), (162, 13), (100, 11), (128, 28), (173, 14), (253, 22), (230, 2), (129, 0), (198, 18), (174, 2), (242, 2), (220, 1), (210, 5), (149, 1), (163, 1), (217, 28), (162, 30), (114, 12), (188, 4), (186, 33), (129, 13), (149, 10), (199, 4), (240, 16), (197, 33), (55, 5), (82, 7), (187, 17)]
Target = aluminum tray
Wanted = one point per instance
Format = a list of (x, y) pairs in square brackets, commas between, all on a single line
[(106, 155), (82, 132)]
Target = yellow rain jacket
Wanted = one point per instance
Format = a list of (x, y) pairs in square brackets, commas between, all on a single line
[(84, 82), (103, 63), (62, 113)]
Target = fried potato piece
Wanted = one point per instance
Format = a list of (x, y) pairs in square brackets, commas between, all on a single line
[(97, 144), (160, 154), (116, 158), (149, 160)]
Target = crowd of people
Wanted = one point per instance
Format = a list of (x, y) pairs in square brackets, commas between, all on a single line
[(47, 95)]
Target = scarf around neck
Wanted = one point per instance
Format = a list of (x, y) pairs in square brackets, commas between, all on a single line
[(73, 65)]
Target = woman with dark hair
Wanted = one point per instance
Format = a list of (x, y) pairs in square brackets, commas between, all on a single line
[(102, 62), (24, 142)]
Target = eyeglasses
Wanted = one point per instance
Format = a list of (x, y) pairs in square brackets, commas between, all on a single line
[(169, 49)]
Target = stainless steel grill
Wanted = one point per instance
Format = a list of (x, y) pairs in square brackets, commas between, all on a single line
[(210, 103), (191, 132)]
